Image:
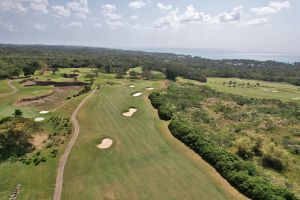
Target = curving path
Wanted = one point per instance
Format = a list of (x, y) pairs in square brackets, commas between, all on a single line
[(12, 87), (63, 159)]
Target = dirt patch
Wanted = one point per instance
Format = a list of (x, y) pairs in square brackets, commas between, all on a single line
[(130, 112), (137, 94), (39, 119), (52, 100), (39, 139), (105, 143)]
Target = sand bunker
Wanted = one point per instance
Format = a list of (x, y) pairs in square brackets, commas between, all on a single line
[(264, 89), (296, 98), (44, 112), (39, 119), (149, 88), (132, 86), (130, 112), (105, 144), (137, 94), (275, 91)]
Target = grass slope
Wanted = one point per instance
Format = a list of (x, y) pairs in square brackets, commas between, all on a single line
[(143, 162), (268, 90)]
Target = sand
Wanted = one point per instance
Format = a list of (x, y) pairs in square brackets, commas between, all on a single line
[(264, 89), (149, 88), (275, 91), (137, 94), (44, 112), (296, 98), (132, 86), (39, 119), (105, 144), (130, 112)]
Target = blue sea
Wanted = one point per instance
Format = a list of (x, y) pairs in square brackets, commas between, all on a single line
[(229, 54)]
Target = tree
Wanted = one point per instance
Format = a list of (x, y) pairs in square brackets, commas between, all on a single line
[(133, 74), (146, 74), (171, 74), (75, 71), (28, 71), (53, 70), (91, 78), (108, 69), (18, 112), (120, 73)]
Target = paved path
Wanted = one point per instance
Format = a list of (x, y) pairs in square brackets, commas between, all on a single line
[(63, 159), (12, 87)]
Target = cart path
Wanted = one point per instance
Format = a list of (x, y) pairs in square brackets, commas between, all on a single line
[(64, 157)]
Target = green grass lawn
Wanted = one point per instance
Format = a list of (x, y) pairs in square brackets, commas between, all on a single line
[(145, 162), (270, 90), (57, 77), (7, 106), (4, 87)]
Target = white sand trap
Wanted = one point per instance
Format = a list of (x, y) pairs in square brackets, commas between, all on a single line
[(296, 98), (132, 86), (149, 88), (105, 144), (130, 112), (137, 94), (275, 91), (44, 112), (39, 119), (265, 90)]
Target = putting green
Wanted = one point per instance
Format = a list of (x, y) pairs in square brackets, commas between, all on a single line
[(144, 162)]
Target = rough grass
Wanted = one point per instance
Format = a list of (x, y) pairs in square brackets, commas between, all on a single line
[(285, 91), (144, 162)]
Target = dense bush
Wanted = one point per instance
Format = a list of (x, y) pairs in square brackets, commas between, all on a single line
[(160, 102), (230, 166)]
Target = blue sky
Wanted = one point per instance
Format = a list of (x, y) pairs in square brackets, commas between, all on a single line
[(229, 24)]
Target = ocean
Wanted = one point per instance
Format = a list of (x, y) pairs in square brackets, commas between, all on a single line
[(228, 54)]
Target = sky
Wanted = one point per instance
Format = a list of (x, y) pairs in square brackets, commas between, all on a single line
[(260, 25)]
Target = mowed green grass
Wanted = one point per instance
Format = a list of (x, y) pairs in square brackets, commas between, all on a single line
[(4, 87), (143, 162), (269, 90), (7, 102), (57, 77)]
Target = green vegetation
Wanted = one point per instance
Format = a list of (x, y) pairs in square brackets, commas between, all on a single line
[(144, 161), (251, 142), (256, 89)]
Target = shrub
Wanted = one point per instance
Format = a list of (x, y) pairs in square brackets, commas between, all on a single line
[(239, 173)]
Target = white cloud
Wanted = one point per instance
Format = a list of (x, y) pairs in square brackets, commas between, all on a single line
[(80, 8), (112, 19), (75, 24), (40, 27), (191, 15), (162, 6), (136, 4), (12, 6), (114, 24), (98, 25), (39, 6), (108, 10), (235, 15), (272, 8), (134, 17), (172, 20), (61, 11), (7, 26), (260, 21)]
